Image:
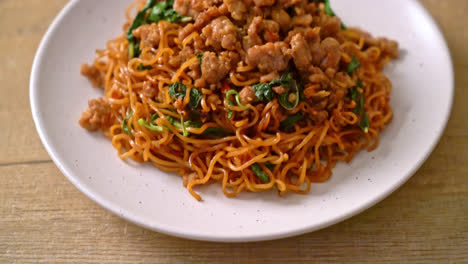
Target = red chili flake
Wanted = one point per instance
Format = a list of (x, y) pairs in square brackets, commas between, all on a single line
[(226, 88), (272, 36)]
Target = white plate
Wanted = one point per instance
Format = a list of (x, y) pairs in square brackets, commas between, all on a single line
[(421, 99)]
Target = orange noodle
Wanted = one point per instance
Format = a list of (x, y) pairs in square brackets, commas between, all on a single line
[(268, 97)]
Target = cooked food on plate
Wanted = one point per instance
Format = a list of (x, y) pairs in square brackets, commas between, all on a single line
[(253, 94)]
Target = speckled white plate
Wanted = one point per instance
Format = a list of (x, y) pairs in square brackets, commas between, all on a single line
[(421, 99)]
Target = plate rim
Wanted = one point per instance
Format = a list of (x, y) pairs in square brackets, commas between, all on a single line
[(112, 207)]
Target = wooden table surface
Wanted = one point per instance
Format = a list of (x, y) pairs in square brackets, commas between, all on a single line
[(45, 219)]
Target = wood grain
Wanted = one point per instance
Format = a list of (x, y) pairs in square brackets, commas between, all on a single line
[(45, 219)]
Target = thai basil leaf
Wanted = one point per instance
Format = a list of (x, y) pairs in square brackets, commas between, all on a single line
[(142, 67), (263, 91), (177, 90), (285, 80), (195, 98), (284, 100), (270, 166), (288, 124), (288, 82), (159, 11), (329, 11), (215, 131), (140, 19), (164, 11)]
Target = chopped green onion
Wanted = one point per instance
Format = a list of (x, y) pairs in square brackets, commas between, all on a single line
[(150, 126), (359, 109), (353, 65), (210, 131), (131, 49), (200, 56), (230, 113), (259, 172), (234, 92), (185, 133)]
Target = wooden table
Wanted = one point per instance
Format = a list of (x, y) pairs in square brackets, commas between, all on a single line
[(45, 219)]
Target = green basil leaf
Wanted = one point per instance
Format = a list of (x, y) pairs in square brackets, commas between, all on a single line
[(142, 67), (216, 132), (159, 11), (263, 91), (164, 11), (177, 90), (195, 98), (194, 124), (284, 101), (329, 11), (288, 124), (174, 17), (343, 26), (139, 19), (286, 80), (270, 166)]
